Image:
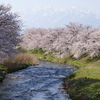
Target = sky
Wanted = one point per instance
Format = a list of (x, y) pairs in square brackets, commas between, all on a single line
[(60, 4), (22, 5)]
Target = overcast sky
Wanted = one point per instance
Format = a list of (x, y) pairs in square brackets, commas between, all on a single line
[(22, 6), (26, 4)]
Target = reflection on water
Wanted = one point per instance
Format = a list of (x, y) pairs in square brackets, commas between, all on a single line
[(41, 82)]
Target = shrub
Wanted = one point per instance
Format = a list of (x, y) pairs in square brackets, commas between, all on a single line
[(26, 58), (20, 61)]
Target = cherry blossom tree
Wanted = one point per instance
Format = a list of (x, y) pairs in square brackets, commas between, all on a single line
[(10, 26), (74, 39)]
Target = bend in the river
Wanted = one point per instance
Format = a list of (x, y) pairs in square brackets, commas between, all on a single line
[(41, 82)]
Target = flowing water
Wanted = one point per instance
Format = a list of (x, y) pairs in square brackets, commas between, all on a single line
[(42, 82)]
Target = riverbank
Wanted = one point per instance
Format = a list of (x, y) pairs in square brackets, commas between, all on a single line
[(20, 61), (84, 83)]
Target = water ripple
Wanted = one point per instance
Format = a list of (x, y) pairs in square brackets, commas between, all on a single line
[(41, 82)]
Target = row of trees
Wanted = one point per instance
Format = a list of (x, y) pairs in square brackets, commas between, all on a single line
[(74, 39), (10, 26)]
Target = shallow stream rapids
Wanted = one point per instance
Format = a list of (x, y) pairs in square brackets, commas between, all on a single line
[(42, 82)]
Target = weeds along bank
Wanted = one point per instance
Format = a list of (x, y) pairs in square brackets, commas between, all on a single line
[(84, 83), (20, 61)]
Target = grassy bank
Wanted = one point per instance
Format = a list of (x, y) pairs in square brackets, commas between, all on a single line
[(20, 61), (2, 72), (83, 84)]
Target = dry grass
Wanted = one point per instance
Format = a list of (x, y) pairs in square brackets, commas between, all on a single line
[(23, 58), (20, 61)]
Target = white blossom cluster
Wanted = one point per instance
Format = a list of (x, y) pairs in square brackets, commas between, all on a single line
[(9, 31), (74, 39)]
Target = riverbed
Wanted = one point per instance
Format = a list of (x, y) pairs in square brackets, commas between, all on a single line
[(42, 82)]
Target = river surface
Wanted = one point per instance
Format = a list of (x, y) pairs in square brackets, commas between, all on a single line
[(42, 82)]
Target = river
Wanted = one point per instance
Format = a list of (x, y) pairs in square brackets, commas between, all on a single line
[(42, 82)]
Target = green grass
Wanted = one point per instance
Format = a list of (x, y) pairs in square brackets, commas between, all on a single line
[(84, 83), (1, 78), (17, 67), (83, 88), (2, 70)]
